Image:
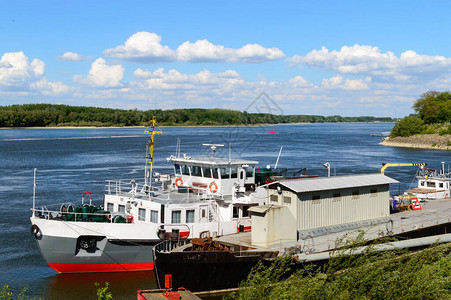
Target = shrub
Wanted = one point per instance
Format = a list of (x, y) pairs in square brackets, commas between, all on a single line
[(407, 126)]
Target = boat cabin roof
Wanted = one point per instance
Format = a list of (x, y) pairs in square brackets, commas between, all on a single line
[(212, 161)]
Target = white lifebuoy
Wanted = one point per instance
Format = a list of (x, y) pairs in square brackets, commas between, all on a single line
[(179, 182), (213, 187)]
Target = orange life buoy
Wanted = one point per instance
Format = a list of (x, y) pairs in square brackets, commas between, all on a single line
[(213, 187), (179, 182)]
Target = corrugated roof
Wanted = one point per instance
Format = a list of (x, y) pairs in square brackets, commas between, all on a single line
[(335, 182)]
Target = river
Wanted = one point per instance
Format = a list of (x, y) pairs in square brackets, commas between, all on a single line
[(73, 161)]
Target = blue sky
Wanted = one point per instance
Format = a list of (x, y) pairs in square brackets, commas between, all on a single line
[(310, 57)]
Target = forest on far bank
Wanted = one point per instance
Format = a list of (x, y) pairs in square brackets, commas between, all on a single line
[(44, 115), (433, 116)]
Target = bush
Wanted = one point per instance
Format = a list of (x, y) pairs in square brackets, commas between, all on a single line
[(407, 126)]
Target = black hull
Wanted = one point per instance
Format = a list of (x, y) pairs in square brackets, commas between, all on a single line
[(204, 271)]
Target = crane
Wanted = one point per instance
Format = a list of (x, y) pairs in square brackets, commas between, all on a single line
[(386, 165)]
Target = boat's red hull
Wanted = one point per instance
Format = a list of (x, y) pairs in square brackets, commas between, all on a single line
[(91, 268)]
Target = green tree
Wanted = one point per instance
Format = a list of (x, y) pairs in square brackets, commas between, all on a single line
[(407, 126)]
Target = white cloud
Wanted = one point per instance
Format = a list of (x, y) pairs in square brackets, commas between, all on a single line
[(368, 60), (146, 47), (102, 75), (20, 76), (339, 82), (143, 47), (16, 70), (71, 56)]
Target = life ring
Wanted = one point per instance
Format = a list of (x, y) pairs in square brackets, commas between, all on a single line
[(36, 231), (213, 187), (178, 182)]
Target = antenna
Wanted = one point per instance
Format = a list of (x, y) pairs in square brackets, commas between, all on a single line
[(213, 148), (277, 161), (34, 189), (150, 147)]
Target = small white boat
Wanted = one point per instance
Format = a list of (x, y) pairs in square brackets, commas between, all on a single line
[(432, 184)]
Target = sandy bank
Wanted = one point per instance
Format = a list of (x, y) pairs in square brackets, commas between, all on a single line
[(421, 141)]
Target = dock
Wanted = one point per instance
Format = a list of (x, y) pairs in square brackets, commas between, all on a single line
[(434, 213)]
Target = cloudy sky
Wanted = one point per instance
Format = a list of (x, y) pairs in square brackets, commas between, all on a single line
[(310, 57)]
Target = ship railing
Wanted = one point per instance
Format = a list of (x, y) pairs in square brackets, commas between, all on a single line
[(71, 216), (136, 187), (169, 245)]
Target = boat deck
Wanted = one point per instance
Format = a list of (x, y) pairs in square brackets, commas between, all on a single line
[(433, 213)]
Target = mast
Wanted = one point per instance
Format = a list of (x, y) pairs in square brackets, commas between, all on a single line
[(150, 147)]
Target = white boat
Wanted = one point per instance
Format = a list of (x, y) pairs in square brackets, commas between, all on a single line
[(432, 184), (209, 194)]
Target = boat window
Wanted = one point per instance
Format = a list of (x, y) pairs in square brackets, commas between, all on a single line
[(185, 169), (225, 173), (177, 170), (234, 173), (241, 175), (121, 208), (287, 200), (196, 171), (431, 184), (215, 173), (176, 215), (246, 212), (249, 172), (206, 171), (422, 183), (274, 198), (154, 216), (440, 184), (235, 212), (142, 214), (204, 213), (190, 216), (110, 207)]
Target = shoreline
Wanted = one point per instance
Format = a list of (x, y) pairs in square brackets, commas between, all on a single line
[(182, 126), (420, 141)]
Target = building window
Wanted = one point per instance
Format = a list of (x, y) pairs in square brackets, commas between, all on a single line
[(286, 200), (274, 198), (235, 212), (373, 192), (141, 214), (336, 197), (154, 216), (110, 207), (121, 208), (355, 194), (176, 215), (316, 199), (190, 216)]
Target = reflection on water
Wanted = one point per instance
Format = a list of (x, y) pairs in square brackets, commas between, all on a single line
[(123, 285)]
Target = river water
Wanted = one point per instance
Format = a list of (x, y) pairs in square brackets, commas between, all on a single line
[(70, 162)]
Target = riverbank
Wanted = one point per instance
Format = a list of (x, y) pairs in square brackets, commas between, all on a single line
[(420, 141)]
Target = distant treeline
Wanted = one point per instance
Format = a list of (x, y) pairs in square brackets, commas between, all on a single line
[(30, 115)]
